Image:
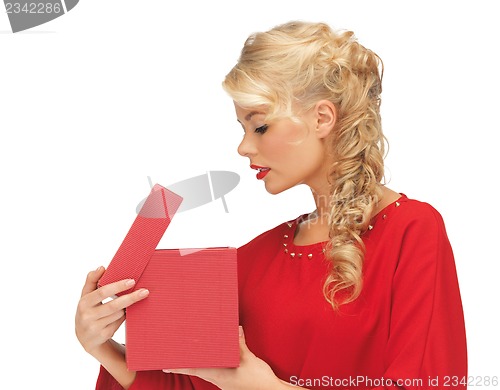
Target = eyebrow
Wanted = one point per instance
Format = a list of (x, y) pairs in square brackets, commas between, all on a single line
[(250, 115)]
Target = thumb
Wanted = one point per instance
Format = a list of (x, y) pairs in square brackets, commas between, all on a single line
[(92, 279), (243, 345)]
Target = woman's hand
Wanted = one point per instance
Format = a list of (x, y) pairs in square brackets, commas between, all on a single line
[(97, 322), (253, 373)]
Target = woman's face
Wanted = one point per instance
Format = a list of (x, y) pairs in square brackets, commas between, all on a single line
[(284, 153)]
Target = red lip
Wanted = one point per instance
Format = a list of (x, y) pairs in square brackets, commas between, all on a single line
[(263, 171)]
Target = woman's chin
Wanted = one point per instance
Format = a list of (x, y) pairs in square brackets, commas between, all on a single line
[(275, 189)]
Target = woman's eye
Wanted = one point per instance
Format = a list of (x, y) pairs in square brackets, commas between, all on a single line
[(261, 130)]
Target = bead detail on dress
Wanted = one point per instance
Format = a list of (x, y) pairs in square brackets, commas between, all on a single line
[(384, 216), (293, 255)]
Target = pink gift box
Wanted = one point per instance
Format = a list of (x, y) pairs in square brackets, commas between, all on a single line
[(190, 318)]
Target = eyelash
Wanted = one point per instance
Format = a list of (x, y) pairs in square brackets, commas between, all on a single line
[(261, 130)]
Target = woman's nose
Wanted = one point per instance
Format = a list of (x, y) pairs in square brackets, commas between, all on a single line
[(247, 146)]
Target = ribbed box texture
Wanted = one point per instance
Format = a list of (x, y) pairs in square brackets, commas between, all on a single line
[(190, 318)]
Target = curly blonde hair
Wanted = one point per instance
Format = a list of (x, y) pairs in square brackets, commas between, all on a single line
[(292, 67)]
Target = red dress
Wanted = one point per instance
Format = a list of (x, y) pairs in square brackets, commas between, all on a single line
[(406, 329)]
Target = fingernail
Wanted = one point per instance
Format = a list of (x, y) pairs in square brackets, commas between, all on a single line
[(240, 330), (98, 268), (130, 282), (143, 292)]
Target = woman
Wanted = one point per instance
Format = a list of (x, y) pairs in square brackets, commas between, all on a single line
[(360, 293)]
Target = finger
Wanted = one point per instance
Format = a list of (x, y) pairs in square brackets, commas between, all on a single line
[(243, 345), (101, 331), (108, 291), (118, 315), (91, 308), (204, 373), (183, 371), (212, 375), (121, 303), (112, 327), (91, 281)]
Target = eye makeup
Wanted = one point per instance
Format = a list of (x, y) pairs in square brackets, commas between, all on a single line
[(262, 129)]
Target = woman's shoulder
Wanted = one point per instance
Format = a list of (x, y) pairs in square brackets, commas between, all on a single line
[(408, 231), (409, 209), (408, 215)]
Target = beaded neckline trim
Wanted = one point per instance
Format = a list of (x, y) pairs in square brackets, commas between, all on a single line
[(296, 254), (288, 243)]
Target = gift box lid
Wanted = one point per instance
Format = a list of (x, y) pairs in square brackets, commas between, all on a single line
[(146, 231)]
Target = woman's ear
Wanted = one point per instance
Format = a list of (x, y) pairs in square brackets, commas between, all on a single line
[(326, 118)]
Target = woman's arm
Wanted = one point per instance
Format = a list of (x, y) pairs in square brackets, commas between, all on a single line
[(97, 322), (427, 340), (111, 355)]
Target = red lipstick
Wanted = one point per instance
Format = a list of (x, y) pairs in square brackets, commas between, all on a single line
[(262, 171)]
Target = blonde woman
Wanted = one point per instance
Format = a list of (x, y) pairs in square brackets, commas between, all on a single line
[(360, 293)]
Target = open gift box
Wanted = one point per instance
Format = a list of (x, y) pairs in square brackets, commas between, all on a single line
[(190, 318)]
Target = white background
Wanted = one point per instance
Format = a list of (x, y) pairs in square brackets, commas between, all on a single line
[(97, 100)]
